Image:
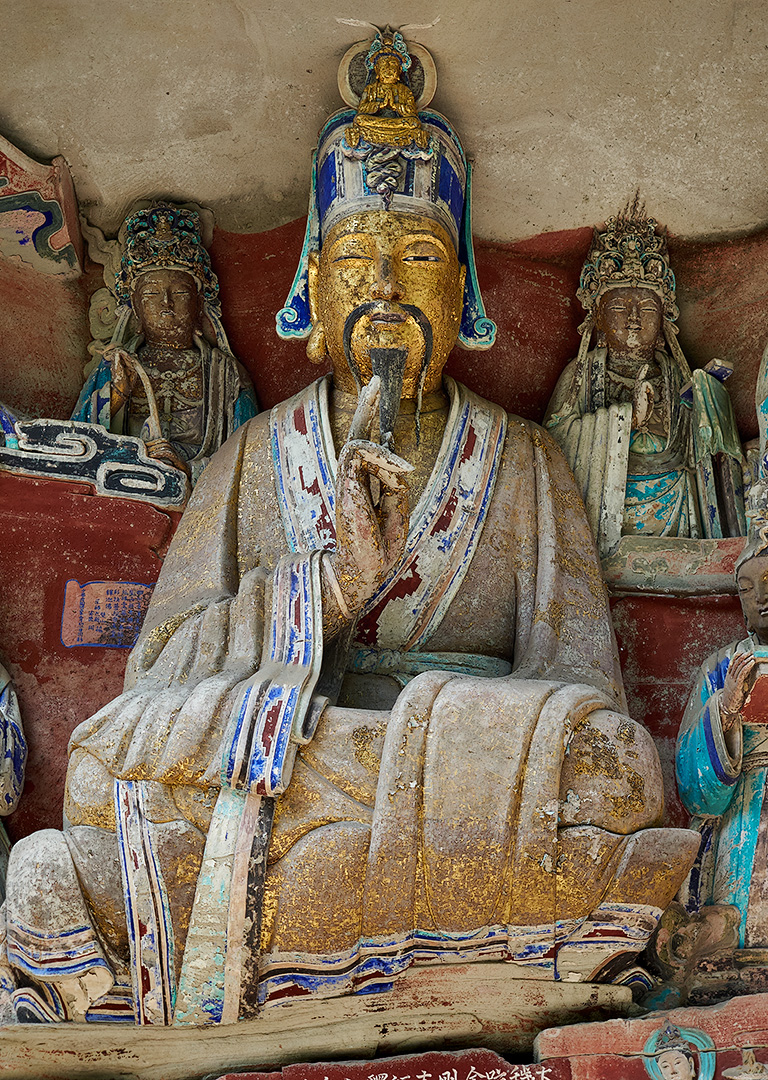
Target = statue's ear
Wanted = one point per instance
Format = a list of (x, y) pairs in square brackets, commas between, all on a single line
[(316, 349), (313, 270)]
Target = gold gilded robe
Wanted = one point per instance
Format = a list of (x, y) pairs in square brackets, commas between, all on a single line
[(478, 818)]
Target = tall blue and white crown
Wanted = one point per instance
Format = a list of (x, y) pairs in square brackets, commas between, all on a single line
[(420, 168)]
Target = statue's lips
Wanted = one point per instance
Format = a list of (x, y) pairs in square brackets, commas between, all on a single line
[(387, 317)]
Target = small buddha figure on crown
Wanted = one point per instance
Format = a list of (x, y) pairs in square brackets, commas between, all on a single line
[(164, 382), (387, 113), (654, 446)]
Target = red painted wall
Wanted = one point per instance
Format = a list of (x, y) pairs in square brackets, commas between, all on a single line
[(55, 531), (61, 531)]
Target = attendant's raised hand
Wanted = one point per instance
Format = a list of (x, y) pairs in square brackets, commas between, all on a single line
[(736, 688), (123, 375)]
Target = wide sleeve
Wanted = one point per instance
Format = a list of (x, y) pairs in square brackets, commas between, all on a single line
[(202, 637), (563, 627), (201, 567), (706, 770)]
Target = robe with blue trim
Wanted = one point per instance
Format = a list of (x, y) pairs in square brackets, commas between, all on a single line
[(447, 823), (724, 787)]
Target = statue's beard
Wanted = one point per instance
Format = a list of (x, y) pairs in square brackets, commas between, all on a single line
[(389, 365)]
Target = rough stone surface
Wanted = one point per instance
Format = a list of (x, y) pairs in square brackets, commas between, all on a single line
[(567, 108)]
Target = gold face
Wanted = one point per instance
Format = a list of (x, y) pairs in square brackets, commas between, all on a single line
[(388, 69), (630, 318), (167, 304), (402, 272)]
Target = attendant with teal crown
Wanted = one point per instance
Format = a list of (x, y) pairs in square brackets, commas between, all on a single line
[(160, 378), (653, 446)]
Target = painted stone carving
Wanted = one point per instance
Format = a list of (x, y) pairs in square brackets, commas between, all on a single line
[(8, 420), (722, 762), (375, 715), (654, 447), (116, 465), (679, 1054), (386, 114), (13, 758), (38, 214), (160, 378)]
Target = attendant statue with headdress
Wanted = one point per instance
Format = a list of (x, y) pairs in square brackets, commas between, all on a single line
[(722, 760), (654, 447), (160, 378)]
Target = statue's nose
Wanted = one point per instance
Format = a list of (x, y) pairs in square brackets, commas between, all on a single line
[(385, 286)]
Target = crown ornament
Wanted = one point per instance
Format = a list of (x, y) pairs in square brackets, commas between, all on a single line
[(165, 237), (670, 1038), (630, 252), (386, 131), (386, 155)]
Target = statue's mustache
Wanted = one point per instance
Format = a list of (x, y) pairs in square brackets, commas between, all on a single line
[(388, 363)]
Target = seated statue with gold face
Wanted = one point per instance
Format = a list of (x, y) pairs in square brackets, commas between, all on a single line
[(160, 378), (375, 717)]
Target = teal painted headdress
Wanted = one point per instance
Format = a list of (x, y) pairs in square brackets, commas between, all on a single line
[(630, 251), (166, 237), (410, 163)]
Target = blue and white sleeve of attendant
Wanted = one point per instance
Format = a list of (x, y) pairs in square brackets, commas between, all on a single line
[(13, 746), (706, 769), (94, 404)]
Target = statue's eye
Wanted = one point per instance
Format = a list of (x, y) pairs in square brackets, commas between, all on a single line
[(359, 255), (745, 586), (421, 258)]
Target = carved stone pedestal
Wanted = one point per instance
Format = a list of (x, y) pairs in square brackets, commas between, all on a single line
[(477, 1005)]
